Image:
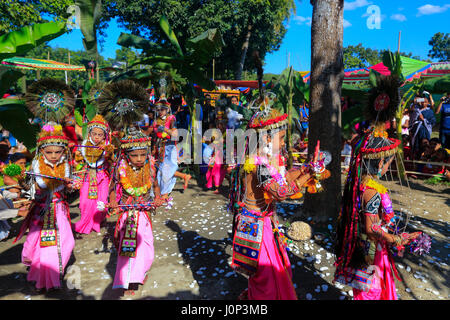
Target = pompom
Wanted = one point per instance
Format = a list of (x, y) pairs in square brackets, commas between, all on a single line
[(101, 206), (421, 245), (12, 170), (299, 231)]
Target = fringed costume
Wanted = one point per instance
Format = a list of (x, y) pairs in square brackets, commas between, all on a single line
[(95, 182), (367, 229), (49, 243), (259, 248), (132, 188)]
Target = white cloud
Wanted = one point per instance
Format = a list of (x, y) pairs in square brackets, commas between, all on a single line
[(352, 5), (399, 17), (430, 9), (347, 24), (302, 20)]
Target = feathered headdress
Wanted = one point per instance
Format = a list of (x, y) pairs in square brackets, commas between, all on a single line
[(266, 117), (50, 99), (95, 91), (373, 146), (122, 103)]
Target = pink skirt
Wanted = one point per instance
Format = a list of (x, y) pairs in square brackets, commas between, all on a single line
[(47, 264), (91, 218), (133, 270), (215, 175), (383, 287), (273, 278)]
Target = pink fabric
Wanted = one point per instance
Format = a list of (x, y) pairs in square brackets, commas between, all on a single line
[(133, 270), (215, 175), (91, 218), (44, 261), (384, 284), (272, 280)]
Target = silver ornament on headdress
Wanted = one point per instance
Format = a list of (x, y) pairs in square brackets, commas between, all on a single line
[(123, 106)]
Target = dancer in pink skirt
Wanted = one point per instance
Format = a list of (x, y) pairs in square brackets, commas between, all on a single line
[(96, 153), (50, 241), (216, 167), (259, 249), (132, 190), (368, 230)]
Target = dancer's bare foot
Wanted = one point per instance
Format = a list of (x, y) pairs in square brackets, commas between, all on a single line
[(186, 178), (216, 191), (145, 279), (128, 293)]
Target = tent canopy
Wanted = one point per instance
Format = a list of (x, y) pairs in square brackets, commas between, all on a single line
[(412, 69), (39, 64)]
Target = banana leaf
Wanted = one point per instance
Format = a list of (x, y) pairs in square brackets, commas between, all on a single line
[(349, 118), (14, 117), (438, 85), (149, 48), (165, 26), (394, 63), (204, 46), (24, 39), (7, 78), (90, 12)]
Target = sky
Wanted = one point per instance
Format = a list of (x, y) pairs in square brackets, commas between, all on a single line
[(373, 23)]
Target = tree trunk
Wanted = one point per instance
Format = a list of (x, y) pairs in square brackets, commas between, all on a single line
[(327, 73), (238, 75)]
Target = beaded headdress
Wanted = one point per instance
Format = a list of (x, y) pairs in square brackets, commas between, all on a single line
[(98, 122), (134, 140), (266, 117), (52, 134)]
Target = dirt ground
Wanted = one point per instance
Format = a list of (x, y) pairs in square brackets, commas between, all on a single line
[(193, 250)]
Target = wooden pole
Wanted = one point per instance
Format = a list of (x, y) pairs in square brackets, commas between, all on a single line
[(399, 37), (213, 71)]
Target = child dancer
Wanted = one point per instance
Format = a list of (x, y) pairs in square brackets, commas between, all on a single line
[(96, 154), (258, 246), (132, 189), (50, 241), (366, 228), (164, 127), (216, 167)]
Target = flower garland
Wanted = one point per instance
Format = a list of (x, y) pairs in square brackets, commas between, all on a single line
[(128, 179), (59, 171), (92, 155)]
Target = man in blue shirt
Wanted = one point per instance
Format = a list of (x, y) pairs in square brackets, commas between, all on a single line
[(444, 129)]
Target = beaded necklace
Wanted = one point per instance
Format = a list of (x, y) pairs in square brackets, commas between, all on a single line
[(135, 183)]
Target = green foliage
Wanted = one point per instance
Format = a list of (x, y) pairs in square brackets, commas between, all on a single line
[(189, 18), (437, 85), (361, 57), (189, 65), (440, 47), (15, 14)]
